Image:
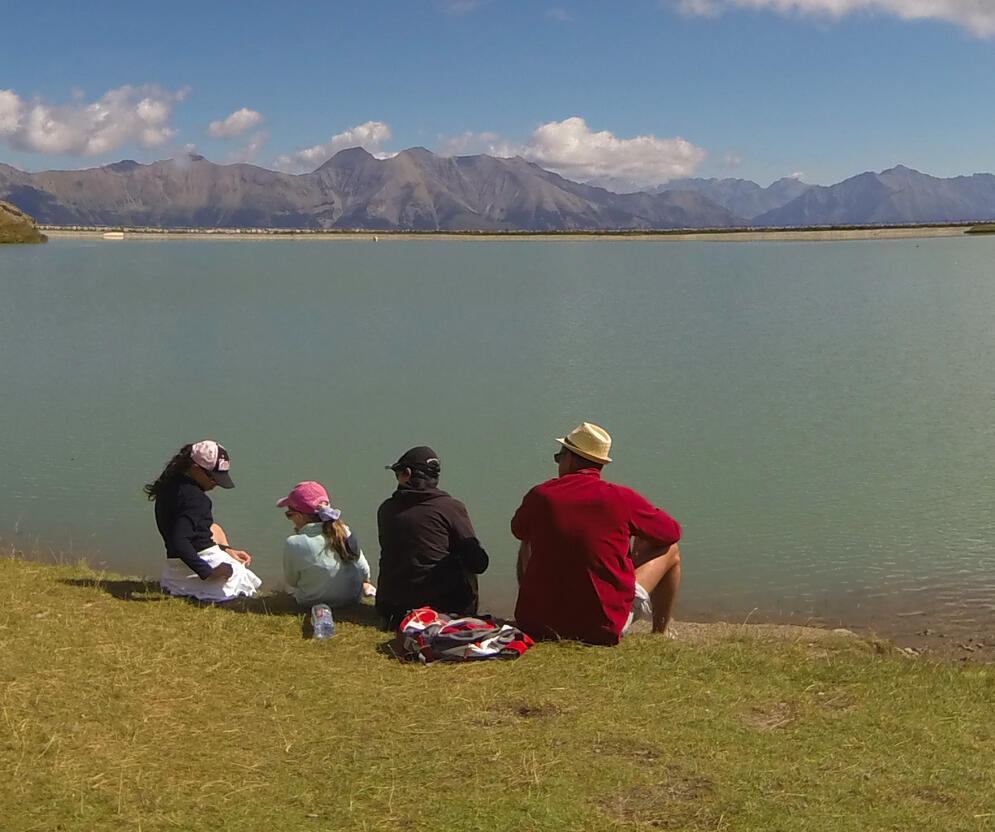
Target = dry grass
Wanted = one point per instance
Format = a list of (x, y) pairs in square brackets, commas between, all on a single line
[(121, 708), (17, 227)]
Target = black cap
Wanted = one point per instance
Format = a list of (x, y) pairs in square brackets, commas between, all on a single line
[(422, 458), (213, 459), (220, 473)]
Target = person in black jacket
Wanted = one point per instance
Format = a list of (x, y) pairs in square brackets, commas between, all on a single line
[(429, 553)]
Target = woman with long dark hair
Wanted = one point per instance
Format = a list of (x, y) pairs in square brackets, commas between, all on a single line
[(199, 561), (323, 562)]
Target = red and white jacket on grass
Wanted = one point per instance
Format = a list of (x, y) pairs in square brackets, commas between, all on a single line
[(431, 636)]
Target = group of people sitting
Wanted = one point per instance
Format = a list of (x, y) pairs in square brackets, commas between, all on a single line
[(594, 556)]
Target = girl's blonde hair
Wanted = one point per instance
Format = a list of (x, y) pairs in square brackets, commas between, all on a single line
[(336, 534)]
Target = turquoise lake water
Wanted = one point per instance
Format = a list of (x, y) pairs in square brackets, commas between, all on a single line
[(819, 416)]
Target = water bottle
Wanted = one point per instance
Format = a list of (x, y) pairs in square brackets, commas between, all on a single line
[(322, 621)]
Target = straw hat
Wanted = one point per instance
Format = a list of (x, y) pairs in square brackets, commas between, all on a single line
[(589, 441)]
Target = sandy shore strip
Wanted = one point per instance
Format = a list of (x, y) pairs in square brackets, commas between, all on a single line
[(747, 235)]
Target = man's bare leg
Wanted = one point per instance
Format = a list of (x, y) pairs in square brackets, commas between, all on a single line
[(658, 571)]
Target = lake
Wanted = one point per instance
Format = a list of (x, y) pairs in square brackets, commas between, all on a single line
[(819, 416)]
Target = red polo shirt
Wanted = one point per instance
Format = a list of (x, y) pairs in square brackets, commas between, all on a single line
[(580, 582)]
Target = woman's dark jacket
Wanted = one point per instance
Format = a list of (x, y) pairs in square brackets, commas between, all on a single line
[(429, 554), (183, 514)]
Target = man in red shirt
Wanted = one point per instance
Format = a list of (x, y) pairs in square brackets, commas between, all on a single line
[(594, 555)]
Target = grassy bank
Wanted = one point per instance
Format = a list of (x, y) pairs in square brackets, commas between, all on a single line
[(124, 709), (17, 227)]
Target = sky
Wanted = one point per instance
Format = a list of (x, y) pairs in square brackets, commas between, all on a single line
[(628, 94)]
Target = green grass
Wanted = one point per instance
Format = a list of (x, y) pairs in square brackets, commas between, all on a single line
[(983, 228), (121, 708)]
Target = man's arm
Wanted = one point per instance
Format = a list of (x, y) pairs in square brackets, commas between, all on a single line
[(464, 543), (520, 521), (472, 555), (648, 522), (520, 529), (524, 555)]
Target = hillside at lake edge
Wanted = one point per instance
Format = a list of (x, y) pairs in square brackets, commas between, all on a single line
[(18, 227)]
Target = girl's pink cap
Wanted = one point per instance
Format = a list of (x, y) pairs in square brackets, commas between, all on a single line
[(305, 497)]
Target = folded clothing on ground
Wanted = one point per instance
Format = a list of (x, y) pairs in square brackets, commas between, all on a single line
[(430, 636)]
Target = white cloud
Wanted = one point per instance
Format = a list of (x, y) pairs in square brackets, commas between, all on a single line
[(369, 136), (559, 14), (251, 151), (236, 124), (976, 15), (11, 113), (572, 149), (799, 175), (471, 144), (139, 114), (732, 161)]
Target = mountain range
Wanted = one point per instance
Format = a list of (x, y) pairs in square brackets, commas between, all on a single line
[(419, 190), (415, 189), (745, 199)]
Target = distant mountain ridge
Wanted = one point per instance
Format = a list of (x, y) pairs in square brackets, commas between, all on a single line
[(896, 196), (419, 190), (742, 197), (415, 189)]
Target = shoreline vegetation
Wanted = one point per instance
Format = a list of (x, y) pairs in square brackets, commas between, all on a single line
[(125, 708), (847, 232)]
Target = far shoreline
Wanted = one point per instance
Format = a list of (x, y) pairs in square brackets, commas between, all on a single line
[(699, 235)]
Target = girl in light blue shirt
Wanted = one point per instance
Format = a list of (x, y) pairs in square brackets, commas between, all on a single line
[(323, 562)]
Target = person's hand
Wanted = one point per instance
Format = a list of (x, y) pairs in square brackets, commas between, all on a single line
[(242, 557), (222, 572)]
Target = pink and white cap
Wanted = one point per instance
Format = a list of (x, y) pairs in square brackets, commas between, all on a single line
[(310, 497), (214, 459)]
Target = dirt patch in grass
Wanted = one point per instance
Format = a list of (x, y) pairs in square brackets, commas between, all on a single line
[(835, 700), (676, 802), (640, 752), (931, 796), (771, 717), (534, 711), (509, 713)]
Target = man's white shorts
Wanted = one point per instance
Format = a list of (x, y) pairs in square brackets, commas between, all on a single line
[(642, 608)]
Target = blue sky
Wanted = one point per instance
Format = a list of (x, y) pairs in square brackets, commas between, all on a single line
[(628, 94)]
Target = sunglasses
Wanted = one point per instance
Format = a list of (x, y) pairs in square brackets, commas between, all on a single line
[(557, 456)]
